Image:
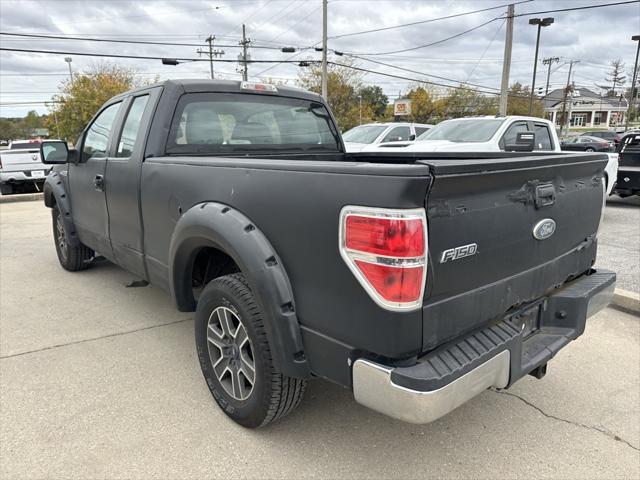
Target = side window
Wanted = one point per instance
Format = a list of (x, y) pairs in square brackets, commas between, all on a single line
[(131, 127), (509, 137), (543, 137), (397, 134), (97, 138), (420, 130)]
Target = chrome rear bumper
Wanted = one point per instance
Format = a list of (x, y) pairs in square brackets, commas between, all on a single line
[(373, 388), (495, 356)]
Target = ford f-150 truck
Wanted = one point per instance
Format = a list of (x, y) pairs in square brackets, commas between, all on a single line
[(415, 280), (20, 164)]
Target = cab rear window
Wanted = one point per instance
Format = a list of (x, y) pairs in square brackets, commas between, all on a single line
[(211, 123)]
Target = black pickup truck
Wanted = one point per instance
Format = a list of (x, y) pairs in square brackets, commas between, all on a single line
[(628, 182), (416, 280)]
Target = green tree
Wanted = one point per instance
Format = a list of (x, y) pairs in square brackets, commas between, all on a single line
[(614, 79), (343, 85), (423, 107), (374, 97), (81, 98), (463, 102), (32, 121), (9, 129), (518, 101)]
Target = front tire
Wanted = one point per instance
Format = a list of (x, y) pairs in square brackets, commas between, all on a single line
[(589, 149), (71, 258), (235, 355)]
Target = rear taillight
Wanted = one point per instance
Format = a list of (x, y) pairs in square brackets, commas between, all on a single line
[(386, 251)]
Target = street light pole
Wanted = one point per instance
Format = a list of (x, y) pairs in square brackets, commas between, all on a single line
[(544, 22), (635, 38), (69, 60)]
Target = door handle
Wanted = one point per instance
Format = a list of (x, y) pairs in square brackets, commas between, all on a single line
[(98, 183), (545, 195)]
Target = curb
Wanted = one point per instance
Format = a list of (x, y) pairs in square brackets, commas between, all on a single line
[(626, 300), (23, 197)]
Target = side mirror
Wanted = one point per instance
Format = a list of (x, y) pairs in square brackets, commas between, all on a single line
[(55, 152), (412, 137), (525, 142)]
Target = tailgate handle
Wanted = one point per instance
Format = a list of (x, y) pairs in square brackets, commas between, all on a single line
[(545, 195)]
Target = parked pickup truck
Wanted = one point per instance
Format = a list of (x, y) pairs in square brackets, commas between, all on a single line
[(20, 164), (493, 134), (416, 280), (629, 170)]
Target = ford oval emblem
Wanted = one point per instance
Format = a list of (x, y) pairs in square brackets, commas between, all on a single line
[(544, 229)]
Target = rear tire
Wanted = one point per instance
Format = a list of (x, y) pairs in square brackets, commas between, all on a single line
[(589, 149), (71, 258), (235, 355), (6, 188)]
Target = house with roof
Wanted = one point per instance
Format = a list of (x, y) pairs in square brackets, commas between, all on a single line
[(586, 108)]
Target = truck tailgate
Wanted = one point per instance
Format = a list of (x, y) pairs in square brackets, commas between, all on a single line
[(491, 210), (21, 160)]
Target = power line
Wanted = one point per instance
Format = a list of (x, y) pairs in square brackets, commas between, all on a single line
[(426, 21), (417, 80), (277, 14), (111, 40), (584, 7), (493, 20), (433, 43), (245, 20), (137, 57), (311, 12), (420, 73), (484, 52)]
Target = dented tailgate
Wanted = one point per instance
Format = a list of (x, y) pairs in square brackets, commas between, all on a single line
[(505, 232)]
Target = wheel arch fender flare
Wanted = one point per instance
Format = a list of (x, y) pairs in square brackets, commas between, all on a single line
[(212, 224), (54, 192)]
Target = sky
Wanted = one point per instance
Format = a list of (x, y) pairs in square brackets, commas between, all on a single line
[(592, 36)]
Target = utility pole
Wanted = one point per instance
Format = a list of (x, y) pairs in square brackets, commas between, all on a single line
[(324, 49), (549, 61), (211, 53), (244, 56), (506, 62), (565, 119)]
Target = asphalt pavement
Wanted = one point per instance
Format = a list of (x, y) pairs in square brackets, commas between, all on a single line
[(99, 380), (619, 241)]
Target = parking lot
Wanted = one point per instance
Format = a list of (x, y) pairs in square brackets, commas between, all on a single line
[(100, 380)]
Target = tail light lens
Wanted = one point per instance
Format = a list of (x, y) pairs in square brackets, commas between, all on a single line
[(386, 251)]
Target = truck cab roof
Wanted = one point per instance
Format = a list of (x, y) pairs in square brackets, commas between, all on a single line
[(231, 86)]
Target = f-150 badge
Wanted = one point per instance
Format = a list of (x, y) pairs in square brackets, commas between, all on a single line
[(459, 252)]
